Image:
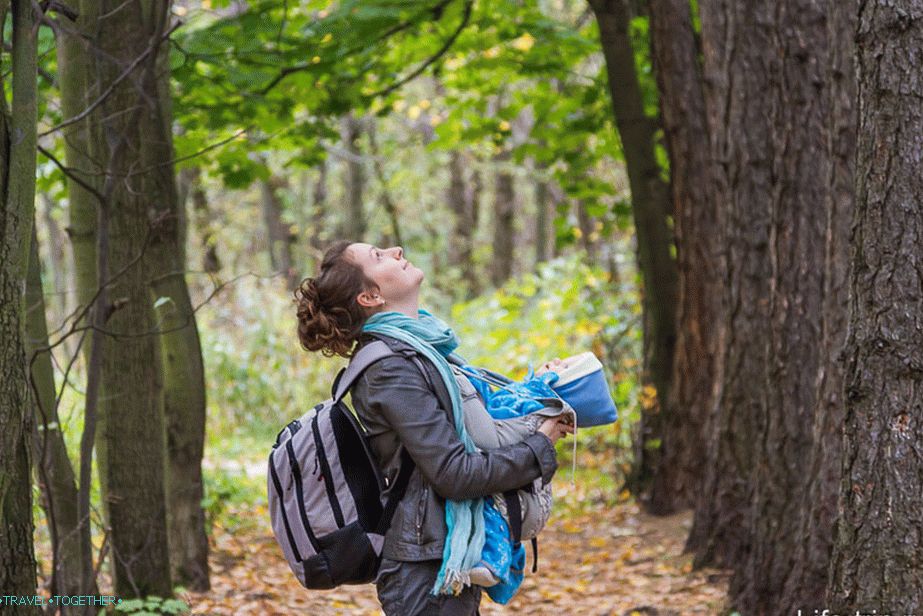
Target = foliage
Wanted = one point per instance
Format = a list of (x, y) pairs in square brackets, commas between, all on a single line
[(152, 606)]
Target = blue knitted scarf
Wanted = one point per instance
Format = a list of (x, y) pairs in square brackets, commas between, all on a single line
[(464, 519)]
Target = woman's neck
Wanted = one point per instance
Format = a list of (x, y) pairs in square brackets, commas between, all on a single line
[(409, 307)]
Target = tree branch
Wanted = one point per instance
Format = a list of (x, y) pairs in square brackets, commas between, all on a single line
[(429, 61)]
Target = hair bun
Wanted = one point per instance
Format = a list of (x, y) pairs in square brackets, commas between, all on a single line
[(329, 318)]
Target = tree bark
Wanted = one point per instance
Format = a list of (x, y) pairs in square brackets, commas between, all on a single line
[(650, 201), (17, 198), (678, 476), (589, 238), (190, 180), (806, 585), (58, 259), (130, 419), (279, 233), (183, 372), (461, 198), (545, 210), (53, 468), (319, 207), (354, 226), (770, 126), (737, 105), (501, 266), (878, 552)]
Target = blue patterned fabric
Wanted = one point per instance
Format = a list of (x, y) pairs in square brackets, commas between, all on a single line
[(504, 404), (505, 560)]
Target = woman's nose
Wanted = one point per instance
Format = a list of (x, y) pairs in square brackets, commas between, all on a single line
[(398, 252)]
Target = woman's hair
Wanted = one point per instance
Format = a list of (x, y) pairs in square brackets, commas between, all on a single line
[(329, 317)]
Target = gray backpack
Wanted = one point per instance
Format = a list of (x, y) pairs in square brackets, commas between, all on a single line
[(325, 489)]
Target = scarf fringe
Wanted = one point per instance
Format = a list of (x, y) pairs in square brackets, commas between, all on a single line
[(454, 582)]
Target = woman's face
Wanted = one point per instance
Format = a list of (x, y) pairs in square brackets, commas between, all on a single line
[(398, 280)]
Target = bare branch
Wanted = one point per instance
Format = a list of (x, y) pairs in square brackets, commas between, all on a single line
[(429, 61), (102, 97)]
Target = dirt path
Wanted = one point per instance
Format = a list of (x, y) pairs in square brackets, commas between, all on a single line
[(610, 561)]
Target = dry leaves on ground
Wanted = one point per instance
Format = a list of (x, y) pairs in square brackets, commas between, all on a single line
[(613, 561)]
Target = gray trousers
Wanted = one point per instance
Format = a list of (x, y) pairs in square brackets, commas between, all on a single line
[(404, 590)]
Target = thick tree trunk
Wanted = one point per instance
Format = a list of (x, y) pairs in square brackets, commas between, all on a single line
[(17, 203), (806, 585), (501, 265), (130, 416), (797, 91), (878, 551), (769, 121), (678, 476), (52, 466), (650, 200), (279, 234), (738, 108), (354, 225)]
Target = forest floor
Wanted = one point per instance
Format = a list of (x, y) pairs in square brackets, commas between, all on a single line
[(605, 559)]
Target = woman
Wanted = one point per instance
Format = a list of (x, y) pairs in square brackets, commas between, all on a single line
[(362, 293)]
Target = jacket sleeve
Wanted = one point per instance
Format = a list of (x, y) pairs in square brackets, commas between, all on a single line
[(404, 400)]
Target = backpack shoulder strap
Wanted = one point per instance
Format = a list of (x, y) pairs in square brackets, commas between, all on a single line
[(364, 357)]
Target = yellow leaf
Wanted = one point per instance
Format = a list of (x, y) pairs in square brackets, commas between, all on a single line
[(598, 542), (424, 104), (413, 113), (327, 38), (524, 42), (491, 53), (504, 125), (315, 60)]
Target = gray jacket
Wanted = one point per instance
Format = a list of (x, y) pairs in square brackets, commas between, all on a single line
[(400, 406)]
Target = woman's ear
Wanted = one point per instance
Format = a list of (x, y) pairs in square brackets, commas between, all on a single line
[(369, 299)]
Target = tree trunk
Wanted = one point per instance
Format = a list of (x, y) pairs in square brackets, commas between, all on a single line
[(131, 421), (183, 372), (797, 92), (545, 209), (52, 466), (589, 238), (678, 476), (878, 552), (58, 260), (460, 196), (79, 88), (738, 108), (807, 583), (650, 201), (17, 198), (769, 121), (319, 207), (354, 226), (203, 218), (501, 265), (279, 233)]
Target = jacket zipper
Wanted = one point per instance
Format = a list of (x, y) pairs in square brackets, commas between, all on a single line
[(421, 505)]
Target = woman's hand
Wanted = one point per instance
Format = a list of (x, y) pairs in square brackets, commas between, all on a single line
[(555, 428), (549, 366)]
